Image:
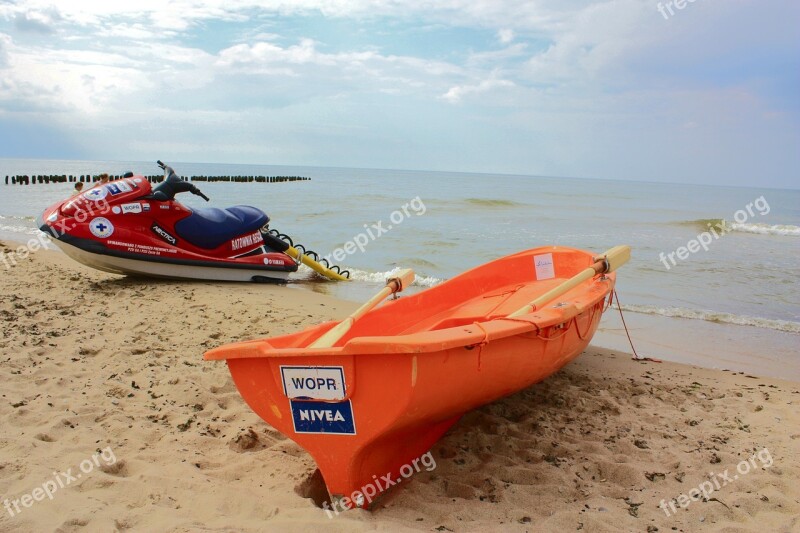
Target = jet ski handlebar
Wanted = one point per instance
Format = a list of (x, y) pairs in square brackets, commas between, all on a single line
[(173, 185)]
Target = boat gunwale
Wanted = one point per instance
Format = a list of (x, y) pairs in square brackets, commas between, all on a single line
[(421, 342)]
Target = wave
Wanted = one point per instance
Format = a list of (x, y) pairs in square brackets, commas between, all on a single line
[(715, 316), (14, 217), (492, 202), (23, 230), (767, 229), (381, 277), (705, 223), (720, 224)]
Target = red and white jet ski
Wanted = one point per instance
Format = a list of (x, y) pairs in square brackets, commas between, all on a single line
[(128, 227)]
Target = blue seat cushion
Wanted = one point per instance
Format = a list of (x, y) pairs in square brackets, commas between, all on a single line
[(210, 227)]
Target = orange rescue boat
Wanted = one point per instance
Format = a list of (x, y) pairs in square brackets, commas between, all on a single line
[(368, 396)]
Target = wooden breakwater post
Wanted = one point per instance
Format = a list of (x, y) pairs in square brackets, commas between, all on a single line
[(24, 179), (248, 179)]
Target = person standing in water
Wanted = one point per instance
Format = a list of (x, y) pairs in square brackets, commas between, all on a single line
[(78, 188)]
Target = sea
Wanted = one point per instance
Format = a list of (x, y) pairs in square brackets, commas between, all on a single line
[(735, 291)]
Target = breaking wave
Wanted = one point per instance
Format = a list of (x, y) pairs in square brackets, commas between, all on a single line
[(381, 277), (715, 316), (720, 224), (767, 229)]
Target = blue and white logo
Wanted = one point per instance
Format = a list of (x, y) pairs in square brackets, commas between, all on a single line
[(101, 228), (335, 418), (96, 194)]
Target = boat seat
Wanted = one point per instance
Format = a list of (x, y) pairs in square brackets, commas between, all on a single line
[(211, 227)]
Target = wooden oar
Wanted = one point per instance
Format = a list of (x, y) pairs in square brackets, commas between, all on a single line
[(608, 262), (403, 279)]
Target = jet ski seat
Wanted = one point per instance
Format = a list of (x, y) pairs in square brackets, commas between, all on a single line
[(210, 227)]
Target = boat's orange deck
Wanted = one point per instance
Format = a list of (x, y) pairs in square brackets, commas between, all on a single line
[(494, 304)]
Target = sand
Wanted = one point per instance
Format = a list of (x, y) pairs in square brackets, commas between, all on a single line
[(103, 377)]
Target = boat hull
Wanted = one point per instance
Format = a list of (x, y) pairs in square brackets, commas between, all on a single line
[(131, 266), (411, 368)]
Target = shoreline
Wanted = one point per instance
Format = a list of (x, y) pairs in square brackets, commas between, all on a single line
[(652, 335), (749, 349)]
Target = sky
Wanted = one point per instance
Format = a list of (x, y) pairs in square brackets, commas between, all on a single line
[(619, 89)]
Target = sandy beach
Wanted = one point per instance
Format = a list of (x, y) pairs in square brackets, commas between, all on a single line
[(112, 421)]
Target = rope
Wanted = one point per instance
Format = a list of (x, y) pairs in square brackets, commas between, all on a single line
[(508, 294), (480, 344), (591, 320), (565, 329), (635, 355), (610, 301)]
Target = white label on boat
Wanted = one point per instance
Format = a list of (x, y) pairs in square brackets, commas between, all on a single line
[(118, 187), (313, 382), (248, 240), (132, 208), (544, 266)]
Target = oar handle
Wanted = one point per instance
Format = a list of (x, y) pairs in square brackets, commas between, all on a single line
[(403, 279), (607, 262)]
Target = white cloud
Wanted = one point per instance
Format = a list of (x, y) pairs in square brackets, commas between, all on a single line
[(5, 42), (505, 35), (492, 58), (457, 93), (547, 69), (366, 69), (36, 21)]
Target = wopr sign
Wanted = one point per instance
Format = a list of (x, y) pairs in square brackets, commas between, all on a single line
[(317, 398)]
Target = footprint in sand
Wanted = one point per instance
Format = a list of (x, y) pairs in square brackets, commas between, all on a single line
[(73, 524), (249, 441), (117, 469)]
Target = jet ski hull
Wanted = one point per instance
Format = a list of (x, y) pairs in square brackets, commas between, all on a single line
[(131, 266)]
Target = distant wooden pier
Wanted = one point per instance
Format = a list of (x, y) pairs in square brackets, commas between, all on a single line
[(88, 178)]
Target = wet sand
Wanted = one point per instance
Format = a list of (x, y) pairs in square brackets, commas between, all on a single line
[(103, 378)]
